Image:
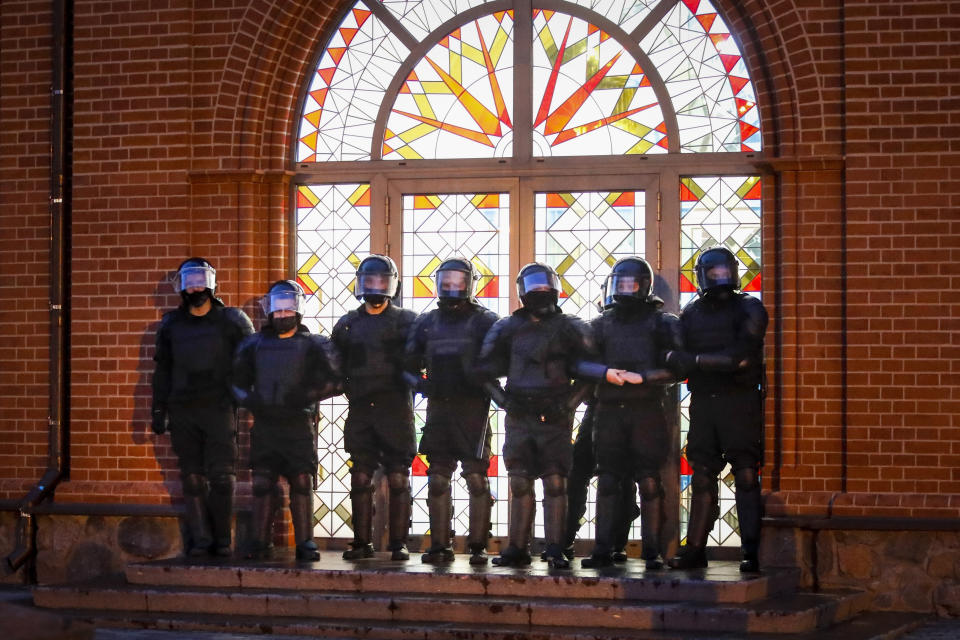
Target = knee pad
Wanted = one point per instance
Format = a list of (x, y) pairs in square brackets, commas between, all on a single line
[(222, 484), (263, 485), (398, 482), (477, 484), (746, 479), (437, 484), (650, 488), (554, 485), (301, 484), (704, 481), (360, 484), (608, 484), (194, 484), (521, 486)]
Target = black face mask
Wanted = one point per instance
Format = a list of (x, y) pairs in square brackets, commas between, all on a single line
[(540, 303), (629, 303), (282, 325), (452, 305), (197, 298), (376, 299)]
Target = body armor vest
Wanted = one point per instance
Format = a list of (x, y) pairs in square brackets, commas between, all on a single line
[(715, 326), (630, 342), (450, 350), (281, 367), (540, 355), (372, 348), (202, 354)]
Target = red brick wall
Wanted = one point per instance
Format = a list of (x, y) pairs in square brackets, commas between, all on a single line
[(183, 114)]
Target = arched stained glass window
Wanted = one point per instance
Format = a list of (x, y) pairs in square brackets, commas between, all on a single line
[(573, 132)]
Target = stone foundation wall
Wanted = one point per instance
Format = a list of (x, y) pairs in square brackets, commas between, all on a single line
[(902, 570)]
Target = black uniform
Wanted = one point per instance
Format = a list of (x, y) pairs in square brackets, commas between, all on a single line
[(191, 385), (723, 357), (631, 437), (280, 380), (540, 355), (379, 427), (442, 350)]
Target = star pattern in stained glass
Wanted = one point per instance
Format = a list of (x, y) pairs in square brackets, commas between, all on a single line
[(347, 88), (581, 235), (707, 79), (590, 96), (456, 102), (333, 235)]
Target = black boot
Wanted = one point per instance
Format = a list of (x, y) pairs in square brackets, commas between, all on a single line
[(749, 514), (651, 522), (301, 513), (522, 503), (609, 498), (196, 515), (401, 506), (260, 546), (555, 519), (440, 508), (480, 505), (361, 502), (220, 507), (704, 505)]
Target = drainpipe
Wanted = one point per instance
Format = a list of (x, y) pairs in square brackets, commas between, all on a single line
[(60, 149)]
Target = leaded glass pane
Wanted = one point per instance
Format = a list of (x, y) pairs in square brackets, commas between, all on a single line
[(582, 235), (347, 88), (625, 13), (421, 17), (707, 79), (590, 96), (333, 235), (477, 227), (456, 103), (724, 211)]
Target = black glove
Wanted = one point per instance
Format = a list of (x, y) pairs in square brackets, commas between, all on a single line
[(681, 361), (158, 421)]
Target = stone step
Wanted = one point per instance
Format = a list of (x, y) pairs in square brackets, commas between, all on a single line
[(871, 626), (721, 582), (796, 613)]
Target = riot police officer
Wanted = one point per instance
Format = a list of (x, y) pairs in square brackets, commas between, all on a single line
[(723, 331), (280, 375), (191, 397), (540, 350), (441, 353), (379, 428), (630, 428)]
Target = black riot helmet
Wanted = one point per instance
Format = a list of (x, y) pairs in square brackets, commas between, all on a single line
[(283, 295), (538, 286), (630, 281), (195, 272), (377, 279), (716, 270), (454, 279)]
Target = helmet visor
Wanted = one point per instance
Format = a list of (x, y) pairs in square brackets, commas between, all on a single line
[(383, 284), (282, 301), (195, 278), (453, 284), (719, 275), (538, 281)]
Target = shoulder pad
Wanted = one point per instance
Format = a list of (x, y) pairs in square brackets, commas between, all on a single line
[(237, 316)]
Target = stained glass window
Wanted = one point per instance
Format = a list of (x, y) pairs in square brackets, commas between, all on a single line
[(333, 235), (594, 98), (591, 94), (456, 102), (476, 227), (716, 211)]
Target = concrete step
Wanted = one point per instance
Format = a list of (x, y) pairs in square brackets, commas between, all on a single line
[(721, 582), (795, 613), (873, 626)]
